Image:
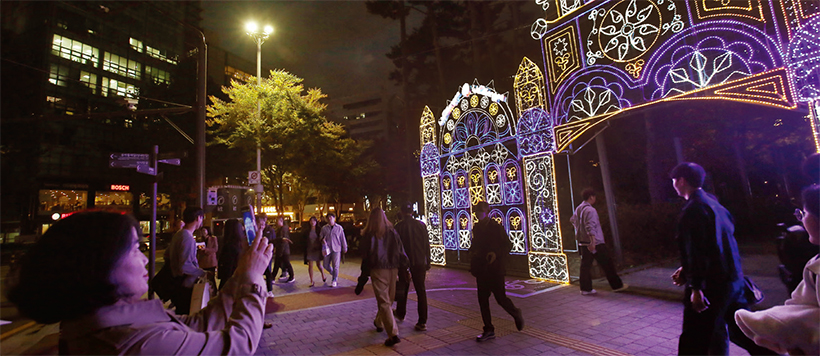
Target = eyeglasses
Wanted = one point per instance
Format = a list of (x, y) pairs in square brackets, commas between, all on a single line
[(799, 214)]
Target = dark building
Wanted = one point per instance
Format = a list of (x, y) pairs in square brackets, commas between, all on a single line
[(82, 80)]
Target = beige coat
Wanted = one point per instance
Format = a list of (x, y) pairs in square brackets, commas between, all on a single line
[(146, 328)]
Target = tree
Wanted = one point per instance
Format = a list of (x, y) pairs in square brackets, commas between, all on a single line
[(290, 119)]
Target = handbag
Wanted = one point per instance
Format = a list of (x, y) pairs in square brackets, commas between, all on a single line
[(201, 295), (164, 283), (752, 292)]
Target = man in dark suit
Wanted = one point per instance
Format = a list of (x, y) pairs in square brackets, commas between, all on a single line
[(710, 270)]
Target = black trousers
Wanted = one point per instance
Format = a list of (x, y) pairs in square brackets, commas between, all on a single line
[(418, 274), (709, 332), (494, 285), (283, 262), (604, 260), (182, 300)]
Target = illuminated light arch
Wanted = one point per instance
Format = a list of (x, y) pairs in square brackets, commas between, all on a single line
[(492, 177), (517, 230)]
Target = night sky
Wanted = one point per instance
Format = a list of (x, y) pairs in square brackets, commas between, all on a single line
[(334, 45)]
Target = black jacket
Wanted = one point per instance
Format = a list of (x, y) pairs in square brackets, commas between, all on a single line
[(489, 236), (383, 253), (413, 234), (708, 250)]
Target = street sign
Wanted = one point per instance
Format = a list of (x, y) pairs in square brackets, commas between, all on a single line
[(174, 161), (254, 178), (146, 169), (127, 160), (129, 156), (126, 164), (167, 155)]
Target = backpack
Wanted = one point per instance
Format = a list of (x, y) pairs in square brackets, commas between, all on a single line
[(580, 233)]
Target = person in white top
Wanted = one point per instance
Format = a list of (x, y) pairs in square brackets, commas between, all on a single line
[(333, 237), (592, 245)]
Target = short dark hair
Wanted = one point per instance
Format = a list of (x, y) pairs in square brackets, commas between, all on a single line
[(481, 206), (262, 216), (811, 199), (192, 213), (67, 273), (331, 214), (407, 208), (693, 173), (586, 193)]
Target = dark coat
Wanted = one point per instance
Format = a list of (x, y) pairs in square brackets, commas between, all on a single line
[(416, 243), (708, 250), (282, 246), (489, 236), (383, 253)]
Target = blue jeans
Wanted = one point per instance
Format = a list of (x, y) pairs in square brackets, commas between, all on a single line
[(334, 259)]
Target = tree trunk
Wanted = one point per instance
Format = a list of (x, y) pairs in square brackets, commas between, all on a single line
[(431, 12)]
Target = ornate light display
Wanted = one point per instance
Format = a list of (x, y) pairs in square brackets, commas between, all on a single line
[(602, 58)]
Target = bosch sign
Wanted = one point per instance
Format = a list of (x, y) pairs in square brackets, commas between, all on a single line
[(120, 187)]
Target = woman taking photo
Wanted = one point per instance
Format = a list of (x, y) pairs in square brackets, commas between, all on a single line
[(87, 272), (382, 258), (233, 242), (313, 250)]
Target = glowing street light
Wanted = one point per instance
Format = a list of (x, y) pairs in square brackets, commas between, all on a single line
[(252, 29)]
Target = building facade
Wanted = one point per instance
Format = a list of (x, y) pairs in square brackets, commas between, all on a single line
[(83, 80)]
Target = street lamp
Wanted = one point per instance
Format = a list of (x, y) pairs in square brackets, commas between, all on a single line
[(259, 36)]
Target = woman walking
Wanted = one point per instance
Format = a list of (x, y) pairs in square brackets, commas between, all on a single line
[(382, 258), (232, 244), (313, 250), (206, 255)]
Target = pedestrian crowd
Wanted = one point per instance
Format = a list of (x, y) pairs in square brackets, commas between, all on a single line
[(88, 273)]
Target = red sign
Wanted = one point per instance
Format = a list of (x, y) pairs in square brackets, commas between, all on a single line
[(121, 187)]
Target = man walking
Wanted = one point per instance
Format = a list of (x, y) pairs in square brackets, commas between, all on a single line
[(710, 270), (488, 256), (334, 237), (413, 234), (592, 245), (267, 231), (181, 258)]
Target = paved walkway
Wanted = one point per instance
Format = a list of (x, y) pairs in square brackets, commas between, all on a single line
[(322, 320)]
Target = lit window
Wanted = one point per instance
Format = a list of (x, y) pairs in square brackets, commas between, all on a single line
[(58, 75), (90, 80), (121, 65), (135, 44), (160, 54), (128, 123), (237, 74), (118, 88), (158, 75), (74, 50)]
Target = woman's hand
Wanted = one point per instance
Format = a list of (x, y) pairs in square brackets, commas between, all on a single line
[(254, 259)]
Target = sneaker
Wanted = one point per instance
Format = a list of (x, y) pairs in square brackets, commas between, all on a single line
[(487, 335), (623, 288), (267, 326), (333, 285), (291, 280), (398, 317), (270, 294), (589, 292), (392, 341), (378, 328), (421, 327)]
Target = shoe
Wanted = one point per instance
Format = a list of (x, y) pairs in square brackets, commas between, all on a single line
[(333, 285), (378, 328), (291, 280), (324, 279), (421, 327), (392, 341), (589, 292), (312, 284), (519, 320), (270, 294), (623, 288), (397, 316), (267, 325), (487, 335)]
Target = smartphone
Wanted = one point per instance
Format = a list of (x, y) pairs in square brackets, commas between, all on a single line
[(250, 223)]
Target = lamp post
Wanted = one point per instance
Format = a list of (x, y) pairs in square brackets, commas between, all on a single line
[(259, 36)]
